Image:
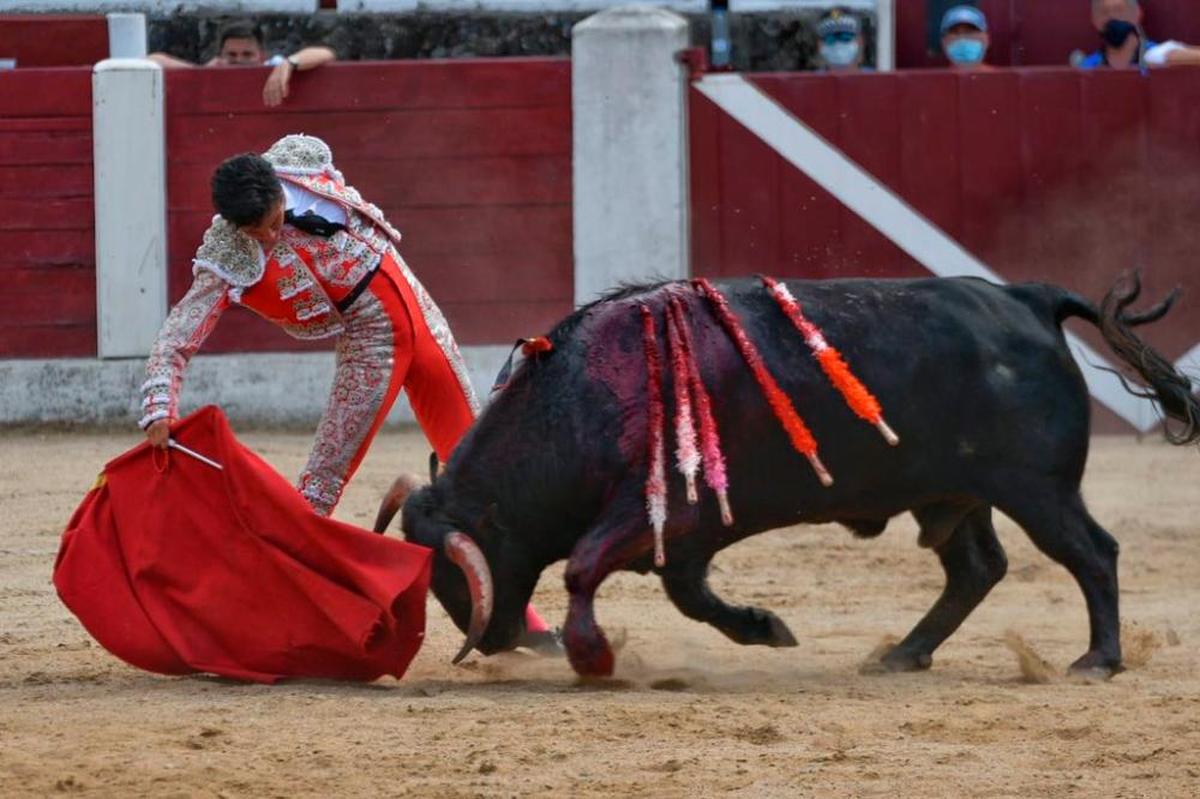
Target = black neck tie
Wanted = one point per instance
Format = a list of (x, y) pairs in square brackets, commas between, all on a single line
[(312, 224)]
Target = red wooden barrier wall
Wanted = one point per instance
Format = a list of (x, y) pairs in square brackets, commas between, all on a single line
[(470, 160), (1039, 32), (53, 40), (47, 249), (1044, 174)]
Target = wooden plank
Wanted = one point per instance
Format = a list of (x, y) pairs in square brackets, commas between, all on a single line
[(47, 124), (1165, 218), (51, 303), (52, 40), (377, 135), (810, 218), (23, 280), (869, 132), (1052, 142), (461, 231), (74, 340), (704, 153), (502, 323), (989, 115), (931, 159), (48, 247), (527, 276), (749, 202), (455, 181), (1103, 225), (46, 214), (379, 85), (1045, 227), (27, 148), (417, 182), (38, 181), (62, 92)]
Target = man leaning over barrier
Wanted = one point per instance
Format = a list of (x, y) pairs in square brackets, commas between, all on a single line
[(240, 44)]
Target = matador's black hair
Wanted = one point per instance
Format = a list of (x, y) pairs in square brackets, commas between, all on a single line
[(245, 189)]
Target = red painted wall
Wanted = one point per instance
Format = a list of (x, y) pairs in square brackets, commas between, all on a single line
[(1038, 32), (47, 249), (471, 160), (1044, 174), (53, 40)]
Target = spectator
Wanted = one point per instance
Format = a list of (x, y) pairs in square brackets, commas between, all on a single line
[(240, 44), (965, 37), (841, 42), (1124, 44)]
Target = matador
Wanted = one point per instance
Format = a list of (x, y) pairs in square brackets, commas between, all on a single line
[(297, 245)]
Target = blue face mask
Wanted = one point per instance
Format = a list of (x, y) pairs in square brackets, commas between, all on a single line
[(840, 54), (965, 51)]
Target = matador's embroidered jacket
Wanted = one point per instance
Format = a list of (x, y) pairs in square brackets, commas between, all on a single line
[(298, 286)]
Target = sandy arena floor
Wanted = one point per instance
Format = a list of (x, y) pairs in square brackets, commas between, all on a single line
[(691, 714)]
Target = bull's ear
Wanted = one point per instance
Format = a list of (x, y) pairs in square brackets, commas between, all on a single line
[(433, 467)]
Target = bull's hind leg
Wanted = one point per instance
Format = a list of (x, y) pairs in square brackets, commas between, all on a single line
[(686, 583), (609, 546), (1064, 530), (974, 562)]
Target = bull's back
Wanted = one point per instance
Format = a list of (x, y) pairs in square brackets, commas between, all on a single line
[(975, 381), (972, 378)]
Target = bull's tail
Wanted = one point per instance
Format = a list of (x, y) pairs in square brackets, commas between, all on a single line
[(1159, 378)]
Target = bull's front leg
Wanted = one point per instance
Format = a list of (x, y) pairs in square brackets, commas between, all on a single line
[(686, 583), (607, 547)]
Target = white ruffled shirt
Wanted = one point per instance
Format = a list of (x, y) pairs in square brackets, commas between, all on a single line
[(301, 201)]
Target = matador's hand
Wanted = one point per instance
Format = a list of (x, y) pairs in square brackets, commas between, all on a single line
[(158, 433)]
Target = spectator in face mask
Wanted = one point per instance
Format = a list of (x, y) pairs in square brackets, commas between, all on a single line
[(965, 37), (1124, 44), (841, 42)]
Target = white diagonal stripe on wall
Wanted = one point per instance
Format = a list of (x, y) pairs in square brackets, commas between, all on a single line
[(884, 210)]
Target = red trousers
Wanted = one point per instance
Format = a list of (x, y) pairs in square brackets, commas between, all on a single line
[(388, 344)]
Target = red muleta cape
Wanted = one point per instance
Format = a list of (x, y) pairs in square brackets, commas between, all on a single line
[(194, 569)]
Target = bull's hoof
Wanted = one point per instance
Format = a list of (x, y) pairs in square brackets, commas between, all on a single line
[(780, 635), (896, 661), (1097, 666), (592, 663), (589, 652), (759, 627)]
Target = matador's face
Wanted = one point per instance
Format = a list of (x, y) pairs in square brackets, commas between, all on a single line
[(267, 230)]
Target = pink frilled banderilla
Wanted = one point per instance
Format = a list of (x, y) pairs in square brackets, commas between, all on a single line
[(698, 442)]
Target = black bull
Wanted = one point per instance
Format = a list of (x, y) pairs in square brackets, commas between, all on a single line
[(976, 379)]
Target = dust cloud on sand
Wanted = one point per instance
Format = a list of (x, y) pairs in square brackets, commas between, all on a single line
[(688, 714)]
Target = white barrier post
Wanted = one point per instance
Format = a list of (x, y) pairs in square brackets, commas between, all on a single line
[(126, 35), (885, 35), (131, 205), (629, 104)]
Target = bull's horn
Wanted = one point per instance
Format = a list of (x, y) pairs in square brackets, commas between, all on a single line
[(393, 500), (466, 555)]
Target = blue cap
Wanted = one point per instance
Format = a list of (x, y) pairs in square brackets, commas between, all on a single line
[(964, 15)]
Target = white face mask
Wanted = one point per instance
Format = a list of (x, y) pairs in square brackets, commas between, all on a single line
[(841, 54)]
